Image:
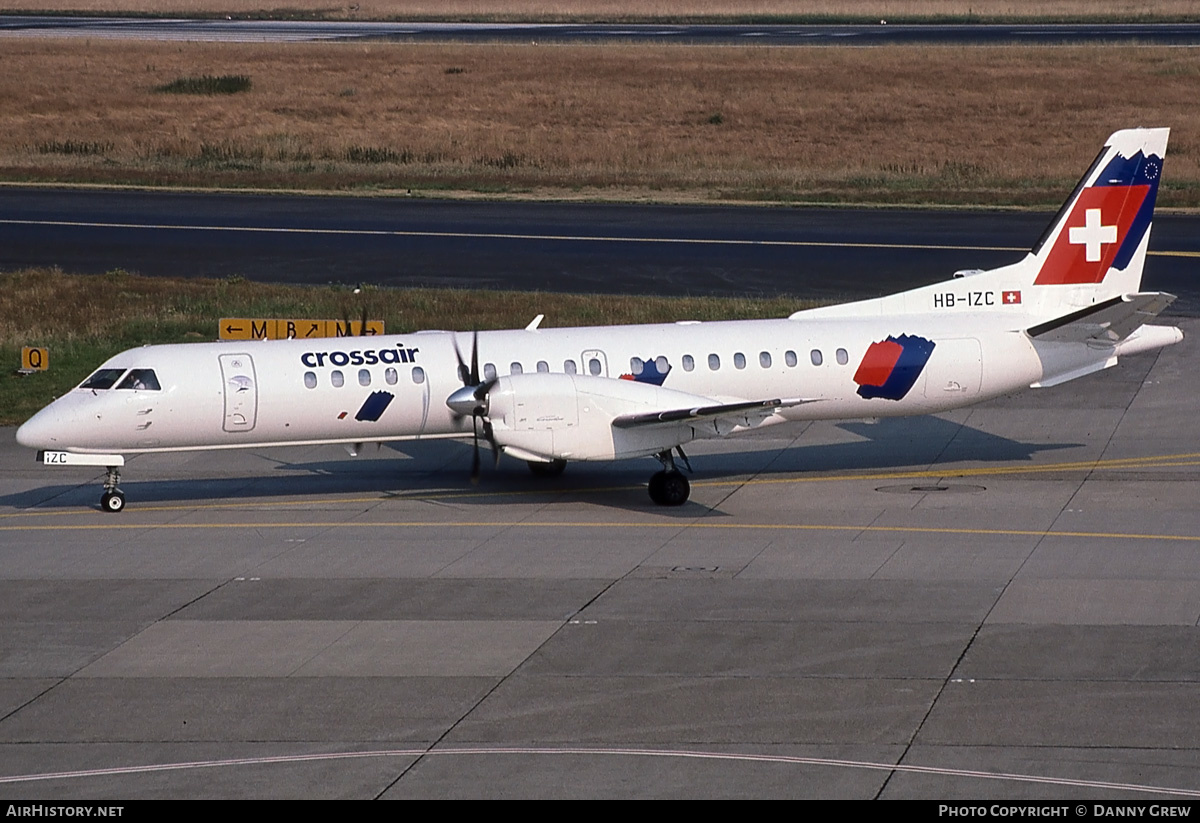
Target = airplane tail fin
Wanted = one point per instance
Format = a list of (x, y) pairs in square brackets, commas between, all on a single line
[(1095, 247), (1092, 252), (1083, 278)]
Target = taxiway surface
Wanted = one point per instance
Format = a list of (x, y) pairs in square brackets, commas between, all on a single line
[(841, 35), (996, 602), (825, 253)]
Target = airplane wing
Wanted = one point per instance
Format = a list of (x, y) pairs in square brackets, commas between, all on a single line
[(748, 413), (1108, 322)]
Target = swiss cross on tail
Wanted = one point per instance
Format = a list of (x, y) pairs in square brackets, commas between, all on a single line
[(1106, 222)]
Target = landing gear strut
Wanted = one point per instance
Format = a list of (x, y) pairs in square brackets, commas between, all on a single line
[(113, 499), (669, 487)]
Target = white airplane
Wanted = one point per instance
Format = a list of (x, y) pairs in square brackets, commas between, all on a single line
[(1071, 307)]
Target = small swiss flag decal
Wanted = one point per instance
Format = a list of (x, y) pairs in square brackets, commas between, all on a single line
[(1011, 298)]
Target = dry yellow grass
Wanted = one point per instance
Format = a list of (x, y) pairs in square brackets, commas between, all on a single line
[(900, 124), (630, 9), (45, 306)]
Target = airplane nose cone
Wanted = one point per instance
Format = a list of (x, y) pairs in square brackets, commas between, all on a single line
[(37, 432)]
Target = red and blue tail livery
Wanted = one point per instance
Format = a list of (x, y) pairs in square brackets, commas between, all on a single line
[(890, 368), (1106, 221)]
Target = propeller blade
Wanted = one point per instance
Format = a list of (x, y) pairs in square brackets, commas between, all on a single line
[(491, 439), (362, 330), (463, 374), (475, 358), (482, 390), (475, 443)]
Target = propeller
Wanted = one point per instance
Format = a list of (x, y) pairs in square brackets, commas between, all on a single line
[(473, 399)]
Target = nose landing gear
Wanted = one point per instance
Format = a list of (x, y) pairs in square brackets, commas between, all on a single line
[(113, 499)]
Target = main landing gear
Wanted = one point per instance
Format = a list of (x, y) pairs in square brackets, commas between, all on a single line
[(669, 487), (113, 499)]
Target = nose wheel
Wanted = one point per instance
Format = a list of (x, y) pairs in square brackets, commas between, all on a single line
[(113, 499)]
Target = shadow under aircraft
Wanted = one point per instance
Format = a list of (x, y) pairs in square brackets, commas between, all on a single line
[(439, 468)]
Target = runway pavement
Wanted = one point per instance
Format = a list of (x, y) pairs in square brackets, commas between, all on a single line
[(827, 253), (719, 34), (998, 602)]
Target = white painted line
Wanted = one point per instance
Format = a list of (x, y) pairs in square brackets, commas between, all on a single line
[(614, 752), (572, 238)]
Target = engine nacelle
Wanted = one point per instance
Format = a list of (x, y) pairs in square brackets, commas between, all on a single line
[(569, 416)]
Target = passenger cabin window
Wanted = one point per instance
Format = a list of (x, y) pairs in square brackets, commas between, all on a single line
[(594, 367), (310, 380), (569, 366), (543, 366), (102, 379), (661, 364), (636, 366), (843, 357), (418, 375), (714, 362), (140, 380), (390, 376), (689, 362), (739, 360), (489, 371), (789, 357), (764, 359), (337, 379), (516, 368), (816, 357), (364, 377)]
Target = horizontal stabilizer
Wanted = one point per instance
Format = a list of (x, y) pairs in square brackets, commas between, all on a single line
[(1108, 322), (755, 409)]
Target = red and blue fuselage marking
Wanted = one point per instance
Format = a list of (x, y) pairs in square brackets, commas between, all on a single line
[(890, 368)]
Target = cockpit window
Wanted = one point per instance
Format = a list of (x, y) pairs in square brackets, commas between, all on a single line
[(103, 379), (142, 379)]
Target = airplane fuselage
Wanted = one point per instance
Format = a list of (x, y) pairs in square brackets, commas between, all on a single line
[(370, 389)]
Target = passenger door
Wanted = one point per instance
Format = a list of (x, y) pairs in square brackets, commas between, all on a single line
[(241, 392)]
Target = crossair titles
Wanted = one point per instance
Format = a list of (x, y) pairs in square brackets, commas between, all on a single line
[(359, 357)]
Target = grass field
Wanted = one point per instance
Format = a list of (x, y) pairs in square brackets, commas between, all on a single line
[(1011, 125), (556, 10), (83, 320)]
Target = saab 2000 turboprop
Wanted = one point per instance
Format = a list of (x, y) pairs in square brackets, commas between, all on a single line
[(1071, 307)]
